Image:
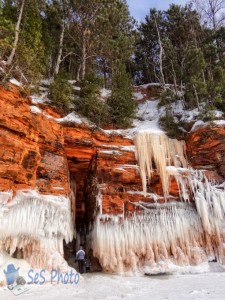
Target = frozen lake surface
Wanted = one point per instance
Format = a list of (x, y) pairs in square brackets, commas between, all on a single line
[(111, 287)]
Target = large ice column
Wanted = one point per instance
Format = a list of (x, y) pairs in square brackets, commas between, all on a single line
[(155, 148), (37, 224), (210, 202), (167, 232), (168, 155)]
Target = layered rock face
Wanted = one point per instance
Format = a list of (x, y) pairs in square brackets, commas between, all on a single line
[(32, 151), (206, 150), (144, 202), (39, 152)]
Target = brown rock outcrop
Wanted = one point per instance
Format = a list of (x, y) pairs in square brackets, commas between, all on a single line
[(206, 150), (147, 91)]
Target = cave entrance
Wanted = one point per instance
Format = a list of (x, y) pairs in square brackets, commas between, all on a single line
[(83, 205)]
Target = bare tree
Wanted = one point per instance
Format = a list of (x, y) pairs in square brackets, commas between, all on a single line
[(61, 42), (63, 20), (16, 37), (212, 12), (162, 78)]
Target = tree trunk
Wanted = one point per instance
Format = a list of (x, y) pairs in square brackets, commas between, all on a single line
[(162, 78), (16, 38), (104, 72), (196, 96), (83, 59), (174, 79), (78, 72), (203, 77), (59, 57)]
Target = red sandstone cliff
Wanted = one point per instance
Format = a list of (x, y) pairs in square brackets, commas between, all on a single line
[(206, 150), (32, 147), (39, 152)]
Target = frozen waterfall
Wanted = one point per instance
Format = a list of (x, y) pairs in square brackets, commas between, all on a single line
[(182, 233), (37, 224)]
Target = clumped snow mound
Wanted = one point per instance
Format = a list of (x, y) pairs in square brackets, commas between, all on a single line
[(15, 82), (138, 95), (169, 268), (35, 110), (105, 93), (74, 119), (39, 99), (199, 124), (147, 117)]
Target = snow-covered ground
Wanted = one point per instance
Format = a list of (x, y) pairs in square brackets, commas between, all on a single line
[(111, 287)]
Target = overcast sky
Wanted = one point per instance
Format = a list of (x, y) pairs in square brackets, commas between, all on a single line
[(140, 8)]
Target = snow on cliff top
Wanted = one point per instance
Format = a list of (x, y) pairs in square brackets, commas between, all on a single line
[(147, 118), (75, 119), (15, 82), (70, 118), (37, 99), (199, 124)]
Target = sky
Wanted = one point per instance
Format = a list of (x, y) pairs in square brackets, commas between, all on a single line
[(140, 8)]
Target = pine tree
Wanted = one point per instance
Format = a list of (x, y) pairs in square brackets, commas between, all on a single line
[(61, 92), (30, 49), (121, 102), (6, 33), (117, 34), (195, 85), (89, 104)]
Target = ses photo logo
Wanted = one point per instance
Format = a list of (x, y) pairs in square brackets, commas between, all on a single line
[(17, 284)]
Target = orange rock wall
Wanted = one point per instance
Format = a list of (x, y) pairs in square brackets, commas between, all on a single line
[(206, 150), (38, 152), (31, 148)]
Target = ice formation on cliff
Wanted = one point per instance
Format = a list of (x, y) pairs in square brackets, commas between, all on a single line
[(184, 233), (36, 224), (157, 148), (159, 233)]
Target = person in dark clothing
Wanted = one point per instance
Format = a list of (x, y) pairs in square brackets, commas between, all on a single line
[(80, 257)]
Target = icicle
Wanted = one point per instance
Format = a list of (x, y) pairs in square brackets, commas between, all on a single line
[(168, 155), (5, 197), (147, 238), (157, 148), (38, 224), (175, 232)]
